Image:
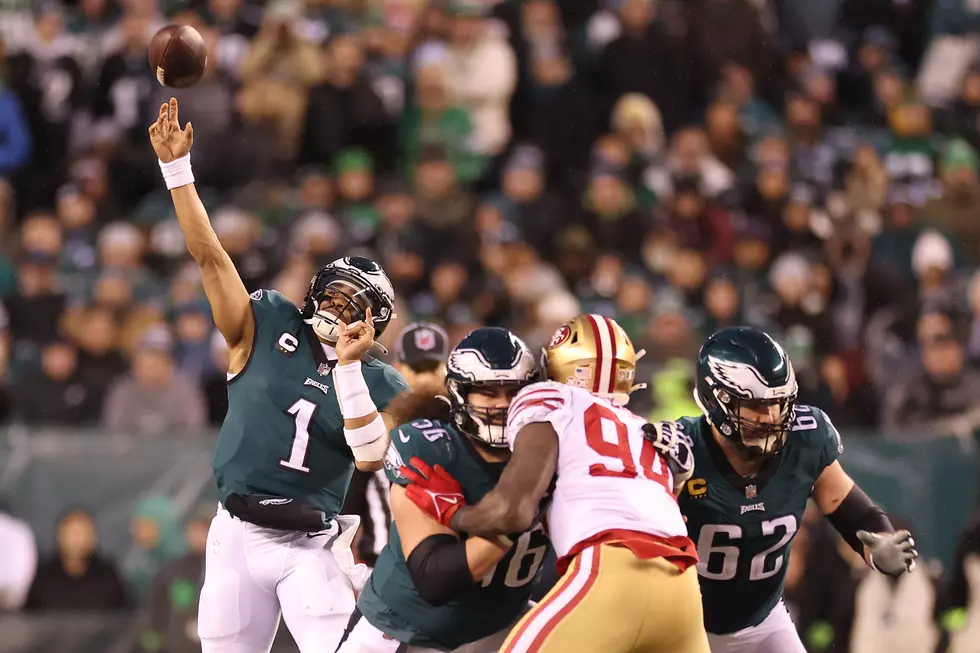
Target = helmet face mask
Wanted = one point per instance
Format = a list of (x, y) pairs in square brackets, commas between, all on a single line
[(759, 428), (484, 363), (746, 388), (351, 285)]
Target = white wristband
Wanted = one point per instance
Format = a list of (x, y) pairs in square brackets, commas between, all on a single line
[(352, 391), (369, 442), (178, 172)]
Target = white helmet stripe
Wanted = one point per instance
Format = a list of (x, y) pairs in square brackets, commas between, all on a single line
[(605, 354)]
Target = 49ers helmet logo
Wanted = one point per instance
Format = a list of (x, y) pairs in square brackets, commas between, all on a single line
[(561, 335)]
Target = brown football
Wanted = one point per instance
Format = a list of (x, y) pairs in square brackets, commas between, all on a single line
[(178, 56)]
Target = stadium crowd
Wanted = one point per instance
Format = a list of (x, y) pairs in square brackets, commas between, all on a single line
[(810, 168)]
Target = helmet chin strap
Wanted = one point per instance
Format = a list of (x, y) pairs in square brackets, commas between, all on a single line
[(490, 434), (325, 327)]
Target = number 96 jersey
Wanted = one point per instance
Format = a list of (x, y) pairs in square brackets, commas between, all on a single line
[(609, 477), (744, 528)]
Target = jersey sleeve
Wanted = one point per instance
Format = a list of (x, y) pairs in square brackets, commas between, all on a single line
[(826, 438), (539, 402), (426, 439), (384, 384), (270, 305)]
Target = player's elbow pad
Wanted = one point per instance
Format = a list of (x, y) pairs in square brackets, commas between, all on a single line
[(439, 568), (857, 513), (368, 442)]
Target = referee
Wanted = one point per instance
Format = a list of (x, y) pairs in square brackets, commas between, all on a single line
[(421, 350)]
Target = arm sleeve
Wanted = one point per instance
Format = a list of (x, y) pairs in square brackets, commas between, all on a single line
[(857, 513), (539, 402), (439, 568)]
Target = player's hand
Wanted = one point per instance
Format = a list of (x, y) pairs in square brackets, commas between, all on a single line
[(355, 339), (675, 446), (434, 490), (890, 553), (169, 141)]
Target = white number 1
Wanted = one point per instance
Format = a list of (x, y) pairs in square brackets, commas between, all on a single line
[(302, 411)]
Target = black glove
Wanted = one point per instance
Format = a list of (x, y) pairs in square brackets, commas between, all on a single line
[(276, 512), (675, 446)]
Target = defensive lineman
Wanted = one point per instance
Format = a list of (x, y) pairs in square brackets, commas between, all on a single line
[(758, 457), (628, 583), (432, 589), (303, 410)]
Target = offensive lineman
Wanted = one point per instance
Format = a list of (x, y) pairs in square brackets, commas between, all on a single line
[(303, 411), (431, 589), (627, 581), (758, 457)]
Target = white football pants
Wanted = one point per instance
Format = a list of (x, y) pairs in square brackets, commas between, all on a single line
[(252, 574), (776, 634)]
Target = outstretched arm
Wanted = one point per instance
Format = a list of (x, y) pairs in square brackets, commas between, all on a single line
[(512, 505), (862, 524), (222, 284)]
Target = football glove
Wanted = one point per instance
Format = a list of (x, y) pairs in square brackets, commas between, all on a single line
[(890, 553), (676, 448), (434, 490)]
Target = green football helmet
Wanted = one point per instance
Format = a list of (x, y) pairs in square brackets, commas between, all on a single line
[(489, 356), (747, 389)]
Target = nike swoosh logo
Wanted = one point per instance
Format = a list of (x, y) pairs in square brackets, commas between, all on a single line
[(402, 436), (454, 500)]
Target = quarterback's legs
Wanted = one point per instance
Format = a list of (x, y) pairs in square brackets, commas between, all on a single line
[(317, 598), (236, 614), (776, 634)]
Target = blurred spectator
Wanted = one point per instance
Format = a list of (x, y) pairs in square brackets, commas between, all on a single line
[(278, 71), (158, 538), (956, 209), (155, 397), (645, 60), (345, 110), (35, 307), (57, 394), (943, 388), (851, 401), (481, 74), (15, 135), (78, 577), (20, 562), (174, 596)]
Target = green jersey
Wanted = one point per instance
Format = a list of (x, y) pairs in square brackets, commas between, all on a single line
[(744, 528), (390, 601), (284, 433)]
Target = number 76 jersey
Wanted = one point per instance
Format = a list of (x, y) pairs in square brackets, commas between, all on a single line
[(610, 479), (744, 528)]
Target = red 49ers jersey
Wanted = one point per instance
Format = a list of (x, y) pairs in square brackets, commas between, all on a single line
[(609, 476)]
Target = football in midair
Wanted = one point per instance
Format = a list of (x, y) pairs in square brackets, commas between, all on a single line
[(178, 56)]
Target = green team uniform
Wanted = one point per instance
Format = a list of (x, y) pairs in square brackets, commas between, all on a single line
[(284, 432), (390, 601), (744, 529)]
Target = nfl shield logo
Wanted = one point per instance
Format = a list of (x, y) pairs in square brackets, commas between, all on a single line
[(323, 369), (425, 339), (750, 491)]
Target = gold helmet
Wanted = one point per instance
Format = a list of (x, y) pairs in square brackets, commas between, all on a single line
[(593, 352)]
